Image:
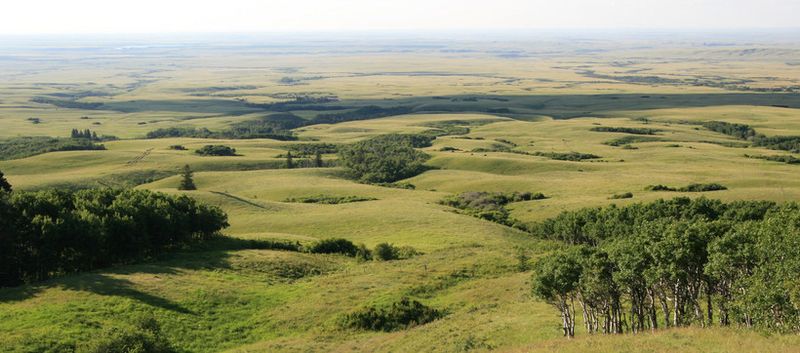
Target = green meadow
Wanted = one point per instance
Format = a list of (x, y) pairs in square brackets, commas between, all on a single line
[(230, 298)]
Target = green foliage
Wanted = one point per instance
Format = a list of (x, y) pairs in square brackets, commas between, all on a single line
[(187, 182), (626, 130), (668, 257), (328, 199), (143, 337), (788, 159), (401, 315), (178, 147), (311, 149), (627, 140), (363, 113), (216, 150), (21, 147), (688, 188), (785, 143), (624, 195), (385, 158), (489, 205), (334, 246), (567, 156), (739, 131), (275, 126), (4, 184), (49, 233)]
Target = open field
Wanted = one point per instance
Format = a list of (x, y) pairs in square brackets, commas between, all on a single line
[(516, 99)]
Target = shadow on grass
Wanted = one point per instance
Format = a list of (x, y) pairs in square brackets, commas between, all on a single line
[(211, 255)]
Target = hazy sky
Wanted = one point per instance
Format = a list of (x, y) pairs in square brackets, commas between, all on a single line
[(137, 16)]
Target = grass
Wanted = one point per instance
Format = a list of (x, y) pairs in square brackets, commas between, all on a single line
[(254, 299)]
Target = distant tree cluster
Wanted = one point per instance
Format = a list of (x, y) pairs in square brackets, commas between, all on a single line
[(216, 150), (385, 158), (674, 263), (275, 126), (363, 113), (49, 233), (329, 199), (740, 131), (688, 188), (626, 130), (746, 132), (567, 156), (84, 134), (21, 147)]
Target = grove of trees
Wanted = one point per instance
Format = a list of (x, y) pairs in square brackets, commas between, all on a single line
[(385, 158), (673, 263), (49, 233)]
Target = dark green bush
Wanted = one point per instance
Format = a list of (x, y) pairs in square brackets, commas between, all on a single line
[(216, 150), (489, 205), (144, 337), (567, 156), (624, 195), (385, 252), (401, 315), (334, 246), (21, 147), (328, 199)]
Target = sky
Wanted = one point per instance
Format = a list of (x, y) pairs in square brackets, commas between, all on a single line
[(171, 16)]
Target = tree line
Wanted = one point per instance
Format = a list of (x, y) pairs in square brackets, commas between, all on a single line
[(50, 233), (385, 158), (674, 263), (746, 132)]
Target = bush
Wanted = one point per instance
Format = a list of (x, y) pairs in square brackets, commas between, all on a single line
[(144, 337), (386, 252), (624, 195), (178, 147), (334, 246), (328, 199), (567, 156), (216, 150), (385, 158), (401, 315), (688, 188)]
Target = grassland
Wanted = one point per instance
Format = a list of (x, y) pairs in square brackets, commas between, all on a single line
[(248, 300)]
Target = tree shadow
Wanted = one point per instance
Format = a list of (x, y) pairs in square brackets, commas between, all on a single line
[(212, 255)]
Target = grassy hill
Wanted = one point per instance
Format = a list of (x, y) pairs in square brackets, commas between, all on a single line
[(233, 297)]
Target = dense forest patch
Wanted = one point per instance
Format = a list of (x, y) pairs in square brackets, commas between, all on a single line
[(50, 233)]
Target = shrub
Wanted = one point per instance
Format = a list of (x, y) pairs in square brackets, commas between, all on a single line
[(386, 252), (567, 156), (363, 253), (624, 195), (144, 337), (216, 150), (401, 315), (488, 205), (328, 199), (688, 188), (178, 147), (334, 246), (21, 147)]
